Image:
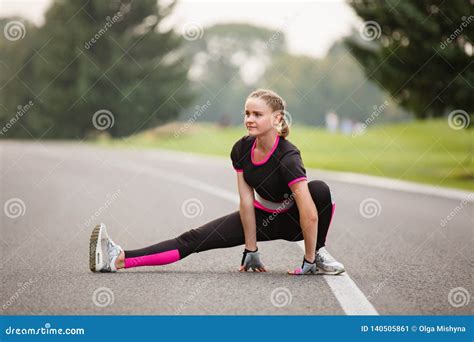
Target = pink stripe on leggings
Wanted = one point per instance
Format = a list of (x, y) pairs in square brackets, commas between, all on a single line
[(162, 258), (332, 212)]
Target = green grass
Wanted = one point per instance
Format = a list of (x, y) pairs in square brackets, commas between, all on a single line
[(422, 151)]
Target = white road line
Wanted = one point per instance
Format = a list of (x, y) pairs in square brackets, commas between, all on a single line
[(347, 293), (395, 184), (337, 176)]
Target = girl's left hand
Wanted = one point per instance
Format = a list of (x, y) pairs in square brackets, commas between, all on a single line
[(306, 268)]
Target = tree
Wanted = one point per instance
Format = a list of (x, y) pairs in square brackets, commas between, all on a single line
[(16, 49), (313, 87), (228, 62), (420, 51), (109, 58)]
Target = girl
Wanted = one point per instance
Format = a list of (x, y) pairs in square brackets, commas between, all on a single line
[(276, 202)]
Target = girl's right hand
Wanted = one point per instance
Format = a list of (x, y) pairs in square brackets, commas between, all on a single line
[(251, 260)]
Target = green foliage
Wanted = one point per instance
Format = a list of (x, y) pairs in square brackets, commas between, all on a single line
[(220, 67), (428, 151), (420, 51), (312, 87), (101, 55)]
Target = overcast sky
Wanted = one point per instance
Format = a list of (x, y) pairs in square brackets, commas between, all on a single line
[(310, 27)]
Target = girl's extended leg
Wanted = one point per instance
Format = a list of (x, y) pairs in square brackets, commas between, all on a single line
[(226, 231)]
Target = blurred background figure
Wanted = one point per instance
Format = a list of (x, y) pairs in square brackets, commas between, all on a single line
[(332, 122)]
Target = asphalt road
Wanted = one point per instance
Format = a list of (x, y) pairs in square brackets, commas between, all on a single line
[(413, 257)]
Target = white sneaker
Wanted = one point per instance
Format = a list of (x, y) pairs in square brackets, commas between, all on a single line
[(326, 263), (103, 252)]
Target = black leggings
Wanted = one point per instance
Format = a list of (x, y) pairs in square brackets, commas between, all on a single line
[(227, 231)]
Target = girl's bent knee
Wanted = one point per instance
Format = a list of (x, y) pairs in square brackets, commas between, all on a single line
[(318, 186)]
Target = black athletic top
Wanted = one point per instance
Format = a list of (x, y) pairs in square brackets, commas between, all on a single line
[(272, 176)]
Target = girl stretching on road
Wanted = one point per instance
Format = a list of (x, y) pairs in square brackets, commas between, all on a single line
[(276, 202)]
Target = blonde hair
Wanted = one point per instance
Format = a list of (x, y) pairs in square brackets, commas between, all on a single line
[(277, 104)]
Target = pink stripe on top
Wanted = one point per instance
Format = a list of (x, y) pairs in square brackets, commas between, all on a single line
[(275, 144), (296, 180), (239, 170), (156, 259)]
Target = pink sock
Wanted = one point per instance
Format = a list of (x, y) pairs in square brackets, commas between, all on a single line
[(156, 259)]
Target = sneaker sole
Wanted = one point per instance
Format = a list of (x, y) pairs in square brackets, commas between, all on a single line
[(93, 244), (323, 273), (330, 272)]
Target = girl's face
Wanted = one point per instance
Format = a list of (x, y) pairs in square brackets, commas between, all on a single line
[(259, 117)]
